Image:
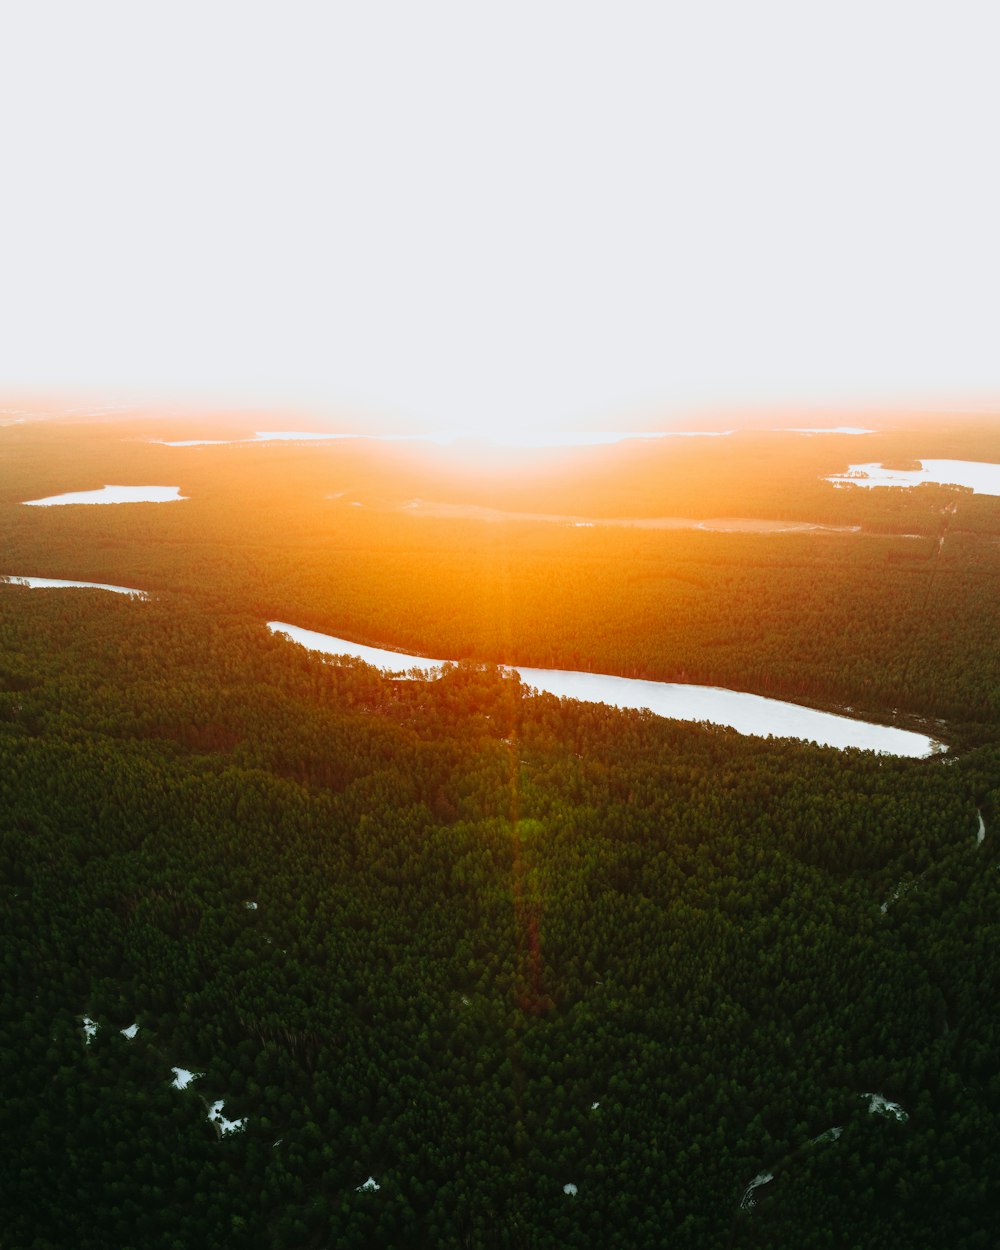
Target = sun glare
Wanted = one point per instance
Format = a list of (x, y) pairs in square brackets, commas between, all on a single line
[(534, 434)]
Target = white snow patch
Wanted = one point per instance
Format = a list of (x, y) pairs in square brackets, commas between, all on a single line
[(981, 831), (594, 1106), (831, 1134), (112, 494), (183, 1077), (89, 1030), (980, 476), (746, 713), (368, 1186), (879, 1103), (748, 1200), (130, 1032), (250, 905), (219, 1120), (58, 583), (897, 893), (570, 1189)]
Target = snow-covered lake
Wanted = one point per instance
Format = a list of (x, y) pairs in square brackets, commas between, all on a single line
[(980, 476), (746, 713), (58, 583), (112, 494), (390, 661)]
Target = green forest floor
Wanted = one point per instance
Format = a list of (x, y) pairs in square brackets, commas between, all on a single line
[(498, 945)]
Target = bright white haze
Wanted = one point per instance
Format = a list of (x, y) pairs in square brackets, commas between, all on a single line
[(518, 215)]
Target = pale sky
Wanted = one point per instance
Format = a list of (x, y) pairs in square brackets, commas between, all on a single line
[(470, 215)]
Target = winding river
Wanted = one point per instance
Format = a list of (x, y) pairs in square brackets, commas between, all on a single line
[(59, 583), (746, 713)]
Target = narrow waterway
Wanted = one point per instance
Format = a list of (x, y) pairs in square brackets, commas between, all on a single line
[(737, 709), (58, 583), (746, 713)]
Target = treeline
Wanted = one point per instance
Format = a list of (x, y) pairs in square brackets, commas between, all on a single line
[(475, 946)]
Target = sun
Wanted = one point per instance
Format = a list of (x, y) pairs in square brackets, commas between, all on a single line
[(528, 433)]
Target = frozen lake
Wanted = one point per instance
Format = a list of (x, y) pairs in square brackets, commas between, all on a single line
[(58, 583), (112, 494), (746, 713), (980, 476)]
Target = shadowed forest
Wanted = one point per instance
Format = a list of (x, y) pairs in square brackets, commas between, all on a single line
[(476, 967)]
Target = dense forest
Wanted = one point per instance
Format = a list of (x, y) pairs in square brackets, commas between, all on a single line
[(459, 966), (899, 617)]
